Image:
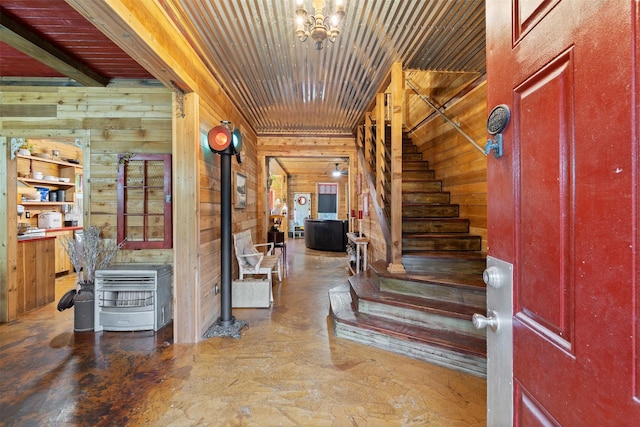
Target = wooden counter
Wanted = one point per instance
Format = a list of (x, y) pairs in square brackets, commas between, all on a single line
[(63, 263), (36, 276)]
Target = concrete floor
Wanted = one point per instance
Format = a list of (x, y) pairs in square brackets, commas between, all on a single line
[(286, 370)]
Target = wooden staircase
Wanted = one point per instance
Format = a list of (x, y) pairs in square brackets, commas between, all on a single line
[(426, 312)]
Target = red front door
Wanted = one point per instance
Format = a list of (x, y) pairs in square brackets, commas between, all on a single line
[(563, 205)]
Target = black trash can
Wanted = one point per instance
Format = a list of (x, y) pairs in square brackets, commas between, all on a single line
[(83, 316)]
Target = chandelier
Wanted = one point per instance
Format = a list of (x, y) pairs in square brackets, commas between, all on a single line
[(317, 26)]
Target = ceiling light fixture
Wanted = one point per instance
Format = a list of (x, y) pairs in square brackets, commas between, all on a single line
[(317, 26), (336, 173)]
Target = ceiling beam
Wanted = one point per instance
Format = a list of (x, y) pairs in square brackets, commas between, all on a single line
[(18, 36)]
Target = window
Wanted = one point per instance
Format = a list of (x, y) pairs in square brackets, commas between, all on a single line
[(144, 201), (327, 201)]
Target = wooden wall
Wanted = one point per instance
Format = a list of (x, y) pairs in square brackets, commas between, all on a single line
[(320, 146), (123, 117), (148, 34), (461, 167), (209, 216), (306, 183), (459, 164)]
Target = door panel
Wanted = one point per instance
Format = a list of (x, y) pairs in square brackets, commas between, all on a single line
[(562, 205), (544, 106)]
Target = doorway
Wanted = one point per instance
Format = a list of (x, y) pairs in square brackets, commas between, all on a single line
[(301, 208)]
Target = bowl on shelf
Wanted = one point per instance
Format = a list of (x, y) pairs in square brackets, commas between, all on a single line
[(42, 155), (74, 161), (50, 178), (64, 179), (36, 175), (24, 152)]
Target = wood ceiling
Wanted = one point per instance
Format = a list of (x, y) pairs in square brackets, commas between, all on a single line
[(61, 43), (281, 85)]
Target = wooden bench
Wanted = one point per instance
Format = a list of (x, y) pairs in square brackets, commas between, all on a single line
[(255, 259)]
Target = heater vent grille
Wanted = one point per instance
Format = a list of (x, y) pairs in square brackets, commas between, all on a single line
[(133, 297)]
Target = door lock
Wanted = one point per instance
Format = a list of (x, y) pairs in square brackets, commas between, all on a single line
[(492, 276), (481, 322)]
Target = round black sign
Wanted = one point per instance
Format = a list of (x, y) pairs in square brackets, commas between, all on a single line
[(498, 119)]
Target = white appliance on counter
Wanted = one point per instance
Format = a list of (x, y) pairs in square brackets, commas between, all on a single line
[(50, 220)]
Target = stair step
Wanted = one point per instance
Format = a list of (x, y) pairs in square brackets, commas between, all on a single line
[(441, 242), (447, 281), (414, 310), (430, 210), (418, 175), (425, 197), (408, 148), (422, 165), (468, 263), (411, 156), (434, 225), (455, 351), (428, 185)]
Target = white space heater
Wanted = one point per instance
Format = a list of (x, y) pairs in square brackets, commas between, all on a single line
[(133, 297)]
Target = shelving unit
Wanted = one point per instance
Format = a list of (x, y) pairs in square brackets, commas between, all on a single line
[(59, 168)]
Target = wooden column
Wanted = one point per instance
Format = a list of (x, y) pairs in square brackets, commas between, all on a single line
[(397, 91), (8, 233), (262, 198), (186, 230)]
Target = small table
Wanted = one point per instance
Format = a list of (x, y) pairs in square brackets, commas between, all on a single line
[(277, 238), (359, 242)]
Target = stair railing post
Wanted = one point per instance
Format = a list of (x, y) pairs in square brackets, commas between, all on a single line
[(397, 102)]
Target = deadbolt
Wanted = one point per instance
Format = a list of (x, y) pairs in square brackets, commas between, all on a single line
[(493, 277)]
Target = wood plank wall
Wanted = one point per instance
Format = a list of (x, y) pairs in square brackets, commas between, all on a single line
[(147, 32), (123, 117), (210, 209), (321, 146), (461, 167)]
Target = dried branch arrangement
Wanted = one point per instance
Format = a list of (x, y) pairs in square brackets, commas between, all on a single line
[(93, 253)]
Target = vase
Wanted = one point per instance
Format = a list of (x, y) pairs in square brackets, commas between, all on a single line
[(83, 313)]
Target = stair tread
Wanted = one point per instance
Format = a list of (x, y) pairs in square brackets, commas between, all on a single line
[(435, 255), (459, 279), (431, 204), (430, 218), (342, 310), (367, 290), (439, 235)]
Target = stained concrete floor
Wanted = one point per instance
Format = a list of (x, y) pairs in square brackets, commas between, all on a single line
[(286, 370)]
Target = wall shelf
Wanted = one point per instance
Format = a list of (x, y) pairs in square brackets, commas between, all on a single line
[(34, 203), (56, 162), (42, 182)]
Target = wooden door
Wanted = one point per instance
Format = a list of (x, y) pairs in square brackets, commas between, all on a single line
[(562, 205)]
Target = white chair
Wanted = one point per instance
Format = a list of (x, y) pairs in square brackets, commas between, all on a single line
[(252, 261)]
